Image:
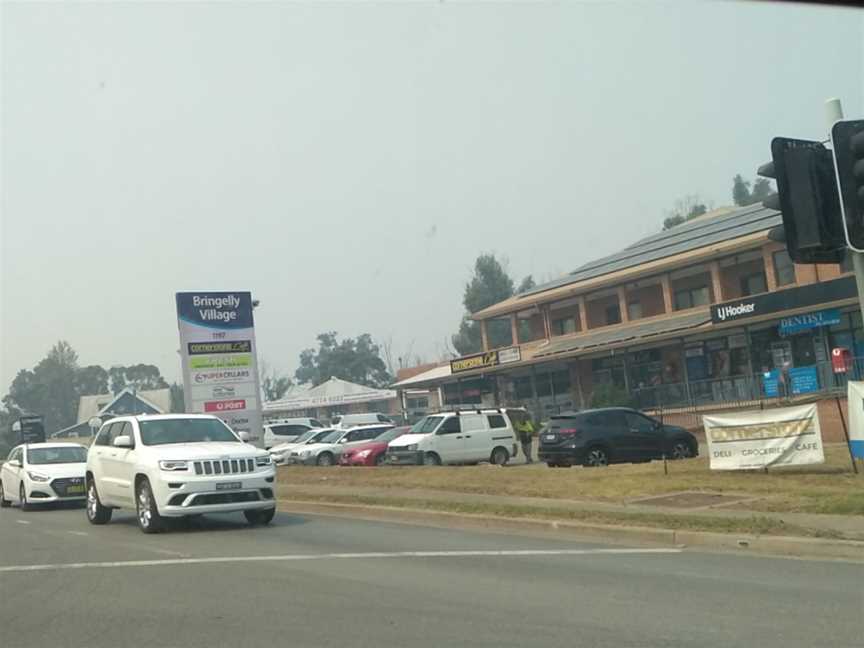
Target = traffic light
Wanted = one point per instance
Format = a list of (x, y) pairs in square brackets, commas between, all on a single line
[(847, 139), (807, 197)]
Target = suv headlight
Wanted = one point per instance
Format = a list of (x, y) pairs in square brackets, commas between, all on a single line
[(38, 477), (173, 464), (264, 460), (411, 448)]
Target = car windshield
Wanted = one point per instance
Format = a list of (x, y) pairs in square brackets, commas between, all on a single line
[(320, 436), (306, 436), (332, 437), (389, 435), (56, 455), (193, 430), (426, 425)]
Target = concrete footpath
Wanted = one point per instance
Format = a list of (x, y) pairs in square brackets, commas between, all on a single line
[(844, 534)]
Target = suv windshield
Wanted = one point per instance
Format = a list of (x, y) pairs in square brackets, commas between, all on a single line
[(56, 455), (179, 430), (426, 425)]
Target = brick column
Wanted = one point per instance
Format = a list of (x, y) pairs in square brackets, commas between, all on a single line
[(514, 328), (768, 261), (484, 335), (622, 304), (666, 285), (714, 266), (583, 315)]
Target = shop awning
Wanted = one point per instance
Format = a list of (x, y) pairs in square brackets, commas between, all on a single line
[(633, 332)]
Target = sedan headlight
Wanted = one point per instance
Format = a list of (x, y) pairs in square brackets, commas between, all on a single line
[(305, 454), (363, 454), (173, 464), (264, 460), (38, 477)]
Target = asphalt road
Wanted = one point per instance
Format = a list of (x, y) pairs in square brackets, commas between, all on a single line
[(319, 581)]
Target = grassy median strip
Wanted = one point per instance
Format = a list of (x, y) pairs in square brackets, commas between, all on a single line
[(827, 488), (755, 525)]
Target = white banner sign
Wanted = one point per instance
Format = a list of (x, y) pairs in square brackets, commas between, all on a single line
[(217, 344), (788, 436), (856, 418)]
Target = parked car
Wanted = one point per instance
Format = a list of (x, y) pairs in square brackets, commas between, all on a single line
[(372, 453), (327, 451), (611, 435), (39, 473), (315, 435), (287, 430), (176, 465), (456, 437), (350, 420)]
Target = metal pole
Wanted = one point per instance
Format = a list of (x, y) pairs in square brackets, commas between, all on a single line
[(846, 434)]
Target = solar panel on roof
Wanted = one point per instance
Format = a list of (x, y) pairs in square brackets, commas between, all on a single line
[(680, 239)]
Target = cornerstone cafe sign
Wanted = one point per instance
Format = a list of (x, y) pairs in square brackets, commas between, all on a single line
[(485, 360), (793, 298)]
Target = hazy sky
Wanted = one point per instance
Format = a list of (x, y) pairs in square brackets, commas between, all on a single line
[(348, 162)]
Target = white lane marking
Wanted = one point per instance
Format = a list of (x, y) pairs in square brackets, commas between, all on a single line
[(78, 533), (334, 556), (23, 521)]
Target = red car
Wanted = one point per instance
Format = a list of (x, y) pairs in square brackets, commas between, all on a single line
[(373, 453)]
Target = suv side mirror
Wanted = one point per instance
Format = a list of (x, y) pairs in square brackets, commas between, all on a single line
[(244, 436), (122, 441)]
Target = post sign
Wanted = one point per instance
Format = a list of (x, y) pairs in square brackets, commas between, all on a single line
[(217, 344), (29, 429), (856, 418), (788, 436)]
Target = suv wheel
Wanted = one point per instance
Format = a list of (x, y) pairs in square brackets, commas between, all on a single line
[(324, 459), (596, 457), (4, 503), (680, 450), (148, 515), (259, 516), (431, 459), (499, 457), (96, 513)]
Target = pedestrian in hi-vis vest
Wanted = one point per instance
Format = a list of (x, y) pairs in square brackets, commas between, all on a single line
[(525, 428)]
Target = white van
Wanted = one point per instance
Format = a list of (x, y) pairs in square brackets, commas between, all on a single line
[(287, 430), (350, 420), (456, 438)]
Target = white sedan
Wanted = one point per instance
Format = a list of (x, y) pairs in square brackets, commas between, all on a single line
[(39, 473)]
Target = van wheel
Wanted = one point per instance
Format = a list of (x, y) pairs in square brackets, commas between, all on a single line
[(596, 457), (431, 459), (96, 513), (499, 456)]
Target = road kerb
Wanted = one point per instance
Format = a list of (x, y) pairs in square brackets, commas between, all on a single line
[(618, 534)]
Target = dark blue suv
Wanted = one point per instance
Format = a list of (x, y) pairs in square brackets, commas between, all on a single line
[(599, 437)]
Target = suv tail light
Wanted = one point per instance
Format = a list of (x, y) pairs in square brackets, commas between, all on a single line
[(569, 432)]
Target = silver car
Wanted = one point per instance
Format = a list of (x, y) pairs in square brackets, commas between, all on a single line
[(327, 451)]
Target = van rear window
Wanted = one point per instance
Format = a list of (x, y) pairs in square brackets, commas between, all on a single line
[(497, 421)]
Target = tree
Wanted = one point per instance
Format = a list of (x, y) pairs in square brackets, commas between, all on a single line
[(489, 285), (743, 196), (142, 376), (527, 284), (356, 360), (49, 389), (273, 384), (92, 379), (610, 395), (683, 210), (178, 404)]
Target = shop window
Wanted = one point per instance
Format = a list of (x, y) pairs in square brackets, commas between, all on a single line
[(564, 326), (846, 264), (753, 284), (417, 403), (561, 381), (523, 387), (613, 314), (784, 269), (634, 310), (692, 297)]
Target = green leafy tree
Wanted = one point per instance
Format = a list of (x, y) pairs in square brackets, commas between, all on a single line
[(742, 195), (142, 376), (49, 389), (527, 284), (178, 405), (761, 190), (273, 384), (684, 209), (489, 285), (356, 360), (92, 379), (610, 395)]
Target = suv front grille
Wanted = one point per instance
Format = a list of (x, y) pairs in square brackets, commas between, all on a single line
[(61, 486), (224, 467)]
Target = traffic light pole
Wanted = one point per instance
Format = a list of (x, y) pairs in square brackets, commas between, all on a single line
[(834, 113)]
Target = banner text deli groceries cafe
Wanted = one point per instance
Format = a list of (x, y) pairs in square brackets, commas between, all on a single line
[(217, 342)]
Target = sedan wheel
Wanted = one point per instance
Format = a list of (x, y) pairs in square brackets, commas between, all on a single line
[(597, 457), (681, 450), (22, 498), (4, 503)]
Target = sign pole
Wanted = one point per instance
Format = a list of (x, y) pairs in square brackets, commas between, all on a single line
[(846, 434)]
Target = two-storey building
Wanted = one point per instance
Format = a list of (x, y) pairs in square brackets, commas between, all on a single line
[(709, 311)]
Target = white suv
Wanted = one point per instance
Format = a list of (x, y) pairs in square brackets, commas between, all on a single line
[(176, 465)]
